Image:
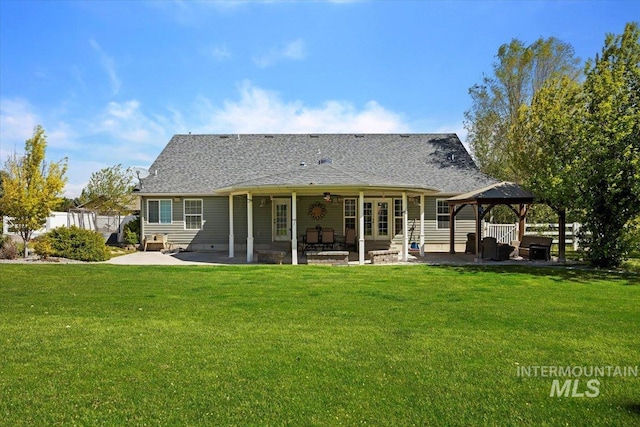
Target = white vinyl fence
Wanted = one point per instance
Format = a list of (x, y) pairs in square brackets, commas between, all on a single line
[(88, 220), (505, 233)]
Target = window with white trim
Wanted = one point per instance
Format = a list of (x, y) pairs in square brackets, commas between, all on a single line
[(442, 214), (350, 214), (159, 211), (398, 215), (193, 214)]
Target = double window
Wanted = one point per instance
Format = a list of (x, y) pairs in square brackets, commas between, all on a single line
[(159, 211)]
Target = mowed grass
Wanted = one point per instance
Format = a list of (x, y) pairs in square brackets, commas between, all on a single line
[(298, 345)]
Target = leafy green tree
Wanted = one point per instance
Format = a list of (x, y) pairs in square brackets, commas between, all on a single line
[(519, 72), (547, 135), (609, 158), (110, 189), (3, 175), (66, 204), (32, 187)]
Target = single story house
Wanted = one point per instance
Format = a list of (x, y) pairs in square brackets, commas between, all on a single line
[(253, 192)]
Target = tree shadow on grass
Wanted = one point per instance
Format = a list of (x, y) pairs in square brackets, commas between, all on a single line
[(558, 273), (632, 408)]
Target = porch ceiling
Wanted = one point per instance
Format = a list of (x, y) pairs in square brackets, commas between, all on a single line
[(319, 190)]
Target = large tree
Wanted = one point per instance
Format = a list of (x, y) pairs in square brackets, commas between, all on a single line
[(110, 189), (609, 158), (3, 176), (548, 135), (519, 72), (32, 187)]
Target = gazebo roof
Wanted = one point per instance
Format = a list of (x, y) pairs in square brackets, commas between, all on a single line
[(501, 193)]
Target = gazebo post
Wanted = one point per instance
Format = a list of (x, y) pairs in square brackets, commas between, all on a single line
[(521, 220)]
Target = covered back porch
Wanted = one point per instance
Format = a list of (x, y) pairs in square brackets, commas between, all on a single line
[(331, 218)]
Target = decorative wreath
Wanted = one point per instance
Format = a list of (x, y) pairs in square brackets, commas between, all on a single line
[(317, 210)]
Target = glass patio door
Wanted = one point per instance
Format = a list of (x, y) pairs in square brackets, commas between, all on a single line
[(376, 219)]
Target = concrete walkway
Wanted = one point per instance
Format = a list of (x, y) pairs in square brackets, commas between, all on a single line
[(178, 258)]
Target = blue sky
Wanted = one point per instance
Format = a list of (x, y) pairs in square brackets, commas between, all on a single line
[(112, 81)]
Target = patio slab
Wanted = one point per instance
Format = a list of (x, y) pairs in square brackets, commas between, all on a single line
[(221, 258)]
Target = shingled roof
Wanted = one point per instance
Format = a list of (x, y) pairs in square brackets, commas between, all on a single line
[(206, 164)]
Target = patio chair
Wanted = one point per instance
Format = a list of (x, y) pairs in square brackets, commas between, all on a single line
[(328, 238), (489, 248), (312, 239), (350, 239)]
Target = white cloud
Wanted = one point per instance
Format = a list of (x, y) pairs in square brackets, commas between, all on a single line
[(262, 111), (109, 67), (17, 122), (127, 133), (295, 50), (126, 122), (217, 52)]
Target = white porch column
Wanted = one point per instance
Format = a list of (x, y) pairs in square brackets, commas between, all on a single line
[(405, 227), (231, 238), (294, 229), (249, 227), (422, 225), (361, 229)]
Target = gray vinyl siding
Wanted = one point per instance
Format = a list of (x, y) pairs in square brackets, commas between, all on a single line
[(332, 219), (215, 229), (465, 222)]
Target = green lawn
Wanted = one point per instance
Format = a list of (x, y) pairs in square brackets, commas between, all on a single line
[(297, 345)]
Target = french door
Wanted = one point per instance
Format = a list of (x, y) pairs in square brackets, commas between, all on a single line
[(376, 219)]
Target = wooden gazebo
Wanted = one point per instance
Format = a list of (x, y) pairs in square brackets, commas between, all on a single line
[(483, 200)]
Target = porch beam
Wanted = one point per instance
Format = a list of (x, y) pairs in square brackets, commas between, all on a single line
[(249, 227), (231, 237), (405, 227), (294, 229), (361, 228), (422, 225)]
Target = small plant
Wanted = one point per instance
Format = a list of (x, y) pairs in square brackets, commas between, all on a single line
[(73, 243), (8, 248), (132, 232)]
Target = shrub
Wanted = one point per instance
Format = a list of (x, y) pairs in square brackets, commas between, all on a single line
[(76, 243), (42, 246), (132, 231), (8, 248)]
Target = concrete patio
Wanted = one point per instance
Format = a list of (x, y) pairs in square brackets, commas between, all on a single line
[(222, 258)]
